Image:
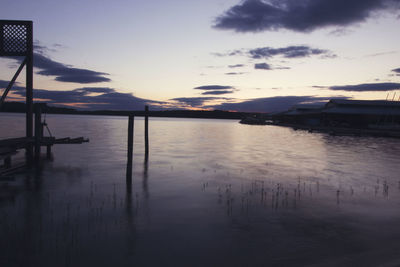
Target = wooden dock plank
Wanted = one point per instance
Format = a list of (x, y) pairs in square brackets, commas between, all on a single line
[(19, 143), (10, 146)]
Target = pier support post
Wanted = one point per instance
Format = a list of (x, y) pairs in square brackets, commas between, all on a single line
[(38, 130), (48, 152), (130, 150), (7, 162), (146, 132)]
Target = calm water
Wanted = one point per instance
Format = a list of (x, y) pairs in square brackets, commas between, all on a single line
[(214, 193)]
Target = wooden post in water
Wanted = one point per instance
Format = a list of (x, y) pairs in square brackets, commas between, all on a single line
[(48, 152), (146, 132), (7, 162), (38, 130), (130, 151)]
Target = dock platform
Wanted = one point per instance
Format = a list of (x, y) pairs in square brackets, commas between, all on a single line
[(9, 147)]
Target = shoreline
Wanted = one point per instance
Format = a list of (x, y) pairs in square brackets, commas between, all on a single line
[(342, 131)]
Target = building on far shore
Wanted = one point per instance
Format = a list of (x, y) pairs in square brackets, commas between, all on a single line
[(372, 114), (304, 114)]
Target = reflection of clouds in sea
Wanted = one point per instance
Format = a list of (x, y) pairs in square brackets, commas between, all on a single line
[(208, 185)]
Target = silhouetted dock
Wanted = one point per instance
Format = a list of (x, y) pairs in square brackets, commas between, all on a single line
[(9, 148), (16, 39)]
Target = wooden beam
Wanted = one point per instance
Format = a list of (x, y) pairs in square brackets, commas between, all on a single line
[(3, 97)]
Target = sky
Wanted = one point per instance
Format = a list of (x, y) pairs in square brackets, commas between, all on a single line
[(249, 55)]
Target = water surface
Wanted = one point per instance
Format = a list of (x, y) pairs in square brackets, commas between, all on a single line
[(213, 193)]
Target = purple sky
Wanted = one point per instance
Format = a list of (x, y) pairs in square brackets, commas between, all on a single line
[(250, 55)]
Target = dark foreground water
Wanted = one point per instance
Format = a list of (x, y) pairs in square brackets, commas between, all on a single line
[(214, 193)]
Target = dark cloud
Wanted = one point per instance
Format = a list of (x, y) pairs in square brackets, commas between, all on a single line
[(97, 98), (367, 87), (42, 49), (121, 101), (64, 73), (262, 66), (105, 98), (381, 54), (230, 53), (299, 15), (293, 51), (266, 66), (287, 52), (16, 86), (82, 79), (213, 87), (236, 66), (218, 92), (234, 73), (195, 101), (3, 83), (290, 52), (96, 90), (38, 48), (45, 63), (397, 71), (272, 104), (80, 95)]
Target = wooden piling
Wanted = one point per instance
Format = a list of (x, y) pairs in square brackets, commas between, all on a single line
[(48, 151), (130, 150), (146, 131), (7, 162), (38, 131)]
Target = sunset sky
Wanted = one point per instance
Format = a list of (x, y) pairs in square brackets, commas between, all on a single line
[(250, 55)]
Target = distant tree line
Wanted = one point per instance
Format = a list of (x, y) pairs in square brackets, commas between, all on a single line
[(19, 107)]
